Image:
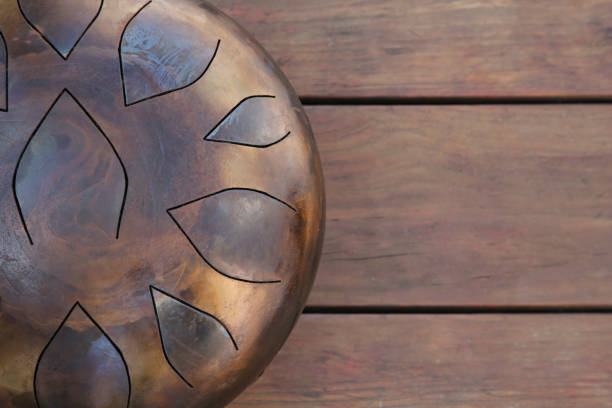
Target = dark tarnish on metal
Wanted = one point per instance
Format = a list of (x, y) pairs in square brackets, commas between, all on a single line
[(162, 209)]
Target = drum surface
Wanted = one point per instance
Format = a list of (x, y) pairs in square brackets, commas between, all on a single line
[(162, 205)]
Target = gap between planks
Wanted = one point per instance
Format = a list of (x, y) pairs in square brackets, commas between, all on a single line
[(433, 101), (456, 310)]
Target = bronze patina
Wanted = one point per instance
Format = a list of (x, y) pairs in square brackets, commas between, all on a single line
[(162, 205)]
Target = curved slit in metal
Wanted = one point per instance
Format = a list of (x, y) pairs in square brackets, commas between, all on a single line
[(161, 337), (123, 201), (165, 92), (49, 41), (78, 304)]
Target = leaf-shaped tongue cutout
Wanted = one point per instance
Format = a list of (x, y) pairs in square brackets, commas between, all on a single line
[(241, 233), (69, 181), (160, 55), (63, 23), (238, 127), (190, 337), (81, 367), (3, 74)]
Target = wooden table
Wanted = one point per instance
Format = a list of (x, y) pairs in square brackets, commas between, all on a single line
[(467, 149)]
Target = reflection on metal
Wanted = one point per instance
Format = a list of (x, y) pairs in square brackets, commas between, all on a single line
[(167, 209)]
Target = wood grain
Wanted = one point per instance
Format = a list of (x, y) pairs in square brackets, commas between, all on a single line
[(466, 205), (519, 361), (425, 48)]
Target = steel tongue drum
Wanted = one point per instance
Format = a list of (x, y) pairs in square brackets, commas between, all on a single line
[(162, 205)]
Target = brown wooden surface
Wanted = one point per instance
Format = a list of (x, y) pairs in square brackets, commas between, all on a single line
[(435, 47), (456, 207), (466, 205), (519, 361)]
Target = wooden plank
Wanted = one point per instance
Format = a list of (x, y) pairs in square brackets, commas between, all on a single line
[(433, 48), (519, 361), (466, 205)]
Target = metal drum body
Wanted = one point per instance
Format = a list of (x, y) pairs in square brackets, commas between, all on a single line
[(162, 207)]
